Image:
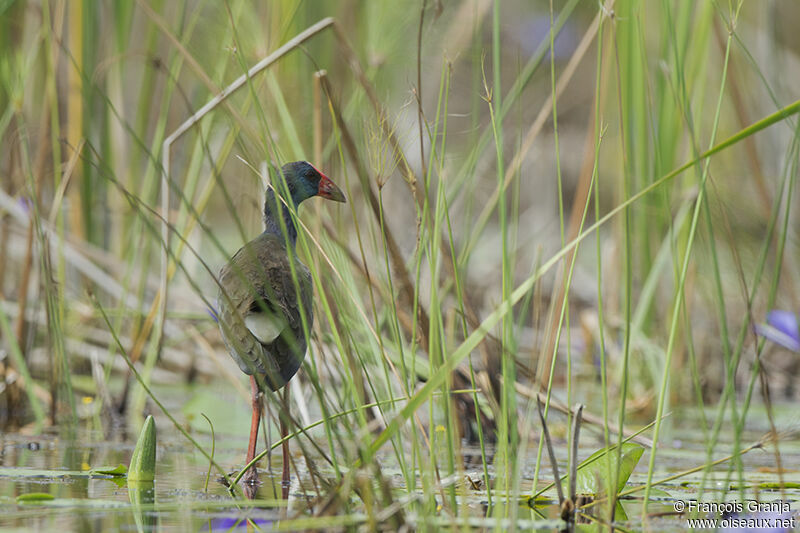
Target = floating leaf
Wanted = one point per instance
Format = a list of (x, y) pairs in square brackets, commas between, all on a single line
[(81, 503), (116, 471), (143, 460), (777, 485), (597, 466), (39, 473), (34, 497)]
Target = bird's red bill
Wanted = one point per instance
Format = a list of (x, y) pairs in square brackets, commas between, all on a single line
[(328, 189)]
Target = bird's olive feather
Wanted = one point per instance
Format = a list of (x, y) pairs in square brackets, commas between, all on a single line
[(258, 279)]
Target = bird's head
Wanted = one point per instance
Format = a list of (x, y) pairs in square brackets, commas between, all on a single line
[(304, 181)]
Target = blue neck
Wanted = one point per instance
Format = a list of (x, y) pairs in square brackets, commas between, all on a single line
[(272, 217)]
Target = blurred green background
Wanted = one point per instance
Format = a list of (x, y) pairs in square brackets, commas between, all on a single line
[(450, 289)]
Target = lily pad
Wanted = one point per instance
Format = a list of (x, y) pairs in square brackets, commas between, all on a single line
[(116, 471), (39, 473), (35, 497), (70, 502)]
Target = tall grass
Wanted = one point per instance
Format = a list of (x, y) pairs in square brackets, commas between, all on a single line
[(511, 227)]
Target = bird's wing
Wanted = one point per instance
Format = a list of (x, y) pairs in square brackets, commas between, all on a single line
[(267, 336)]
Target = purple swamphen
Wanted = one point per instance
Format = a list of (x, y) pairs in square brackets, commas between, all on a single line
[(265, 291)]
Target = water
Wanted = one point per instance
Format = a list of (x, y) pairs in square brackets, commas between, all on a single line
[(178, 501)]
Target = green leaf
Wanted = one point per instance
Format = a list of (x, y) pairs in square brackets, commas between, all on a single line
[(596, 468), (143, 460), (38, 473), (34, 497), (67, 503), (777, 485), (119, 470)]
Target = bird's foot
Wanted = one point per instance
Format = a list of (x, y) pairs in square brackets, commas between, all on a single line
[(250, 483)]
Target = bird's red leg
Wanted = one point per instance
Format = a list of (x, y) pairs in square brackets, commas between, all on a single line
[(285, 446), (252, 474)]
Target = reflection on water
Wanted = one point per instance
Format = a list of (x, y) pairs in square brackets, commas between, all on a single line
[(179, 501), (101, 503)]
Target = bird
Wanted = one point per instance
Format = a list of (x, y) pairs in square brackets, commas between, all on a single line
[(264, 303)]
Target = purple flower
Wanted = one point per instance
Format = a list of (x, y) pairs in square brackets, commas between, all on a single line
[(25, 204), (229, 523), (781, 328)]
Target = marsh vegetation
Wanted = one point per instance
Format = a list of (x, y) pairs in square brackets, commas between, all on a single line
[(557, 203)]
